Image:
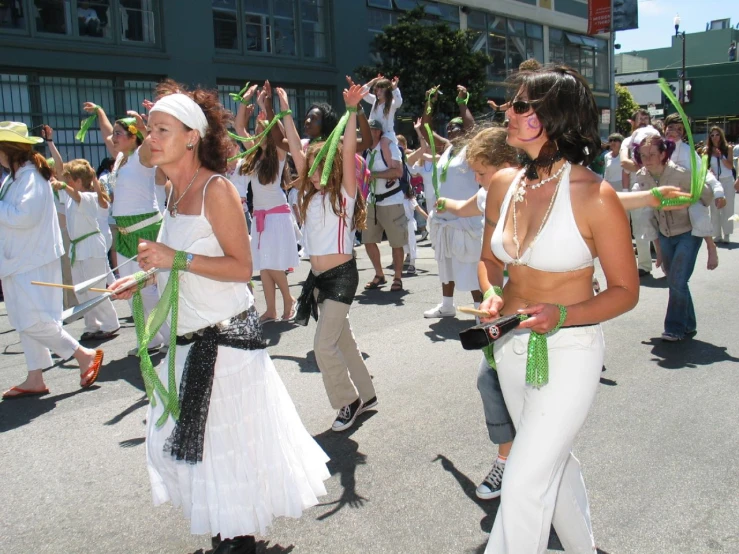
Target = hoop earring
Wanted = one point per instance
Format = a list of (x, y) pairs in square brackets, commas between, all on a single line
[(190, 146)]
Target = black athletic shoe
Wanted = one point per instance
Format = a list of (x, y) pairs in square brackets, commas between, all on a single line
[(370, 404), (347, 415)]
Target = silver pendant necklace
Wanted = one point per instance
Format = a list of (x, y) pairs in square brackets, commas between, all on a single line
[(521, 189), (173, 208)]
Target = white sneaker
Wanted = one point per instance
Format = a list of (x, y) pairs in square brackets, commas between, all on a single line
[(440, 311)]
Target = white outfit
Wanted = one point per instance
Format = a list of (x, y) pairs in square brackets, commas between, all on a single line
[(378, 112), (641, 218), (135, 194), (329, 233), (160, 191), (30, 250), (90, 257), (241, 182), (259, 462), (543, 483), (722, 227), (376, 162), (410, 205), (613, 172), (457, 241), (273, 248), (700, 215)]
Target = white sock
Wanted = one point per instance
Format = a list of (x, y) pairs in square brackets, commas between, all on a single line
[(501, 460), (447, 302)]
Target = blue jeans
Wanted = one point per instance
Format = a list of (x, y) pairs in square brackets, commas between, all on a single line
[(679, 254)]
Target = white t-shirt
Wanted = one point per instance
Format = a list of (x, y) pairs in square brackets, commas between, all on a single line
[(482, 198), (613, 174), (381, 185), (241, 182), (378, 110), (82, 219), (135, 189)]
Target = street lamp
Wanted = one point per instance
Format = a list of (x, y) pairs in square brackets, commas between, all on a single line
[(676, 21)]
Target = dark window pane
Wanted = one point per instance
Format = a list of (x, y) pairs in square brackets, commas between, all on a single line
[(256, 33), (534, 31), (12, 14), (284, 8), (496, 24), (137, 20), (225, 28), (517, 28), (555, 36), (535, 49), (314, 43), (53, 17), (378, 19), (476, 20), (93, 19), (284, 37), (257, 6), (387, 4)]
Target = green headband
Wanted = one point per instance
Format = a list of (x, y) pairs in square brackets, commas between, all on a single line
[(457, 121), (130, 126)]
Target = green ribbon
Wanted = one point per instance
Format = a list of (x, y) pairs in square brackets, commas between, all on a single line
[(86, 124), (6, 186), (697, 180), (373, 182), (147, 328), (330, 147), (434, 175), (429, 99), (446, 165), (463, 100), (73, 245), (259, 138), (239, 98)]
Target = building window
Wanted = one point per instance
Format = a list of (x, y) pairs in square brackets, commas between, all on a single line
[(507, 41), (294, 28), (93, 19), (137, 21), (588, 55), (53, 16), (12, 15)]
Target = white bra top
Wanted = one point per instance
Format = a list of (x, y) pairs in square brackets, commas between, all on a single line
[(559, 247)]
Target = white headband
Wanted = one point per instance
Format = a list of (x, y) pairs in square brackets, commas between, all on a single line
[(185, 109)]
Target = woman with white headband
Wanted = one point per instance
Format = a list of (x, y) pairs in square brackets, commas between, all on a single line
[(136, 211), (225, 442)]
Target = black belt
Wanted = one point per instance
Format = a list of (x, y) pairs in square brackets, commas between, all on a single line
[(381, 197)]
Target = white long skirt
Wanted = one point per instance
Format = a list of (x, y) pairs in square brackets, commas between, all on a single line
[(259, 462), (275, 247)]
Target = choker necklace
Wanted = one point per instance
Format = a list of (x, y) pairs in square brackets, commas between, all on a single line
[(522, 186), (173, 208), (541, 161)]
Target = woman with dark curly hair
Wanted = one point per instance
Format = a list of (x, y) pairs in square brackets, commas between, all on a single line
[(721, 158), (548, 222), (226, 444)]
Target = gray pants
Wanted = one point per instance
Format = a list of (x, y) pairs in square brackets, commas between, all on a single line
[(500, 426)]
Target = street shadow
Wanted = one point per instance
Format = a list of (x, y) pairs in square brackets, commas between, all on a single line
[(345, 457), (127, 369), (382, 296), (7, 350), (130, 443), (128, 411), (21, 411), (727, 245), (609, 382), (688, 353), (307, 364), (263, 547), (650, 282), (447, 328), (490, 507)]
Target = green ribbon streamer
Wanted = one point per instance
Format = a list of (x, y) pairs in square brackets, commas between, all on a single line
[(697, 180), (259, 138), (429, 99), (373, 182), (239, 98), (446, 165), (434, 175), (147, 328), (73, 245), (85, 126), (330, 147)]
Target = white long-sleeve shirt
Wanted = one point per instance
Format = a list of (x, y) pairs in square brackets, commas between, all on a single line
[(378, 110)]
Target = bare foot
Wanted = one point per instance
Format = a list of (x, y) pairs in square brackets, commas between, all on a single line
[(289, 310), (267, 317), (85, 357), (34, 383)]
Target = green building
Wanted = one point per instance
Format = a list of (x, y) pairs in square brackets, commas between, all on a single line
[(711, 80), (57, 54)]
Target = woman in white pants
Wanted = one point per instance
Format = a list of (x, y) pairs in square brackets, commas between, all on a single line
[(721, 160), (547, 223)]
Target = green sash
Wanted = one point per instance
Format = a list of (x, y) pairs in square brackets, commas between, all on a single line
[(74, 242), (128, 244)]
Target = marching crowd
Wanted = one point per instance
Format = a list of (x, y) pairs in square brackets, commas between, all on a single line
[(186, 211)]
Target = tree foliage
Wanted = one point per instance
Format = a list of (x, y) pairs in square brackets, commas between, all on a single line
[(424, 55), (625, 108)]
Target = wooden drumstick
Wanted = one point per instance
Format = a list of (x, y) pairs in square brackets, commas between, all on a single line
[(473, 311), (61, 286)]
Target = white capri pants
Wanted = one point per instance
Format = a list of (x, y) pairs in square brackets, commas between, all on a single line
[(722, 226), (149, 295), (103, 317), (542, 483), (43, 337)]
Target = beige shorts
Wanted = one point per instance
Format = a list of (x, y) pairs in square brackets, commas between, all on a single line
[(390, 219)]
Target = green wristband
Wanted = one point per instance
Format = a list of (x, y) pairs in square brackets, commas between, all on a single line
[(463, 100), (562, 317), (498, 291), (351, 109)]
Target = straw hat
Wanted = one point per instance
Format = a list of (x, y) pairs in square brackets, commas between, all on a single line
[(12, 131)]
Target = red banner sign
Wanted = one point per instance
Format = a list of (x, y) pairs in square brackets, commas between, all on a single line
[(599, 16)]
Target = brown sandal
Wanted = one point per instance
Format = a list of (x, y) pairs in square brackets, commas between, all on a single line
[(397, 285), (375, 282)]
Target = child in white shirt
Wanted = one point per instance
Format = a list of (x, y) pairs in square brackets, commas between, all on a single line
[(385, 98), (88, 247)]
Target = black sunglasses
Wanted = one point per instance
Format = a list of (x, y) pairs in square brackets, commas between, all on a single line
[(520, 107)]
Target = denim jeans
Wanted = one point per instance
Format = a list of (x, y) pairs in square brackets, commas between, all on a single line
[(679, 254)]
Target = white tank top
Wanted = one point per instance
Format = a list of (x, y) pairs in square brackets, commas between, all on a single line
[(203, 302), (328, 233), (270, 195), (134, 187)]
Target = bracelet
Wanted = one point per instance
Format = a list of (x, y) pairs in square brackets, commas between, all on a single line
[(188, 260), (463, 100), (441, 204), (64, 185), (495, 289), (49, 140), (351, 109), (562, 317)]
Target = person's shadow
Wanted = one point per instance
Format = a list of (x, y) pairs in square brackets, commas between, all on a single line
[(687, 354), (263, 547), (345, 457), (447, 328)]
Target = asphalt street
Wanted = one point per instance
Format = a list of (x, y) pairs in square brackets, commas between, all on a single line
[(659, 450)]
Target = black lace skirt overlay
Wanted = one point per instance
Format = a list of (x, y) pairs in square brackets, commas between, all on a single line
[(242, 331), (339, 283)]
